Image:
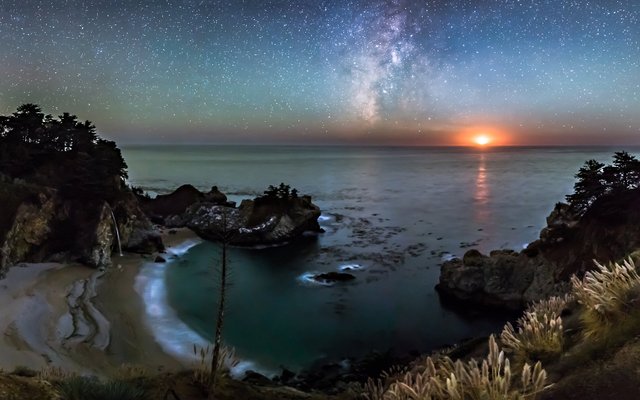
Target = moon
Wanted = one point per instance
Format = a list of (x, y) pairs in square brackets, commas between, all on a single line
[(482, 140)]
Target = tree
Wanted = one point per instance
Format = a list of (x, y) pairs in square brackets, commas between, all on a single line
[(596, 180), (624, 173), (62, 153), (589, 186)]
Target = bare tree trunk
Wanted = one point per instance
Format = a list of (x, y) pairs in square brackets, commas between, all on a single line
[(220, 319), (217, 341)]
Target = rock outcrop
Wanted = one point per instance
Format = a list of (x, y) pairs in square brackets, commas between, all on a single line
[(608, 231), (505, 278), (255, 222), (165, 207)]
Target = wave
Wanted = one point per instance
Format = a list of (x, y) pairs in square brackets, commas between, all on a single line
[(183, 248), (307, 279), (448, 257), (350, 267)]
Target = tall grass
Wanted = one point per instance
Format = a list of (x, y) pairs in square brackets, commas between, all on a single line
[(539, 335), (202, 369), (443, 378), (607, 295), (91, 388)]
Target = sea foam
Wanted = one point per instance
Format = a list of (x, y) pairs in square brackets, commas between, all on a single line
[(307, 279)]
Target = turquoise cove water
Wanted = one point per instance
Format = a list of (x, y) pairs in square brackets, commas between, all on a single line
[(396, 213)]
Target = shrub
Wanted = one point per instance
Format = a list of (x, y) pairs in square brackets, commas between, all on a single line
[(24, 371), (540, 334), (441, 379), (606, 294), (55, 374), (90, 388), (130, 372), (202, 369)]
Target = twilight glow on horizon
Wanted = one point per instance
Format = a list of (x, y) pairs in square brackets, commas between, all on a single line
[(528, 72)]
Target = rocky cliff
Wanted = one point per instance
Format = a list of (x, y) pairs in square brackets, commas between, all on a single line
[(608, 231), (63, 194), (40, 225)]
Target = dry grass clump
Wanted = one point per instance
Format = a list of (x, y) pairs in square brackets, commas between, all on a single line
[(540, 334), (607, 295), (553, 305), (442, 378), (54, 374), (131, 372), (202, 368)]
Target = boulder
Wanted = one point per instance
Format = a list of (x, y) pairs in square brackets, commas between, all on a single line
[(216, 196)]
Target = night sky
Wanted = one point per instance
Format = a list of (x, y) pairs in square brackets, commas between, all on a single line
[(343, 71)]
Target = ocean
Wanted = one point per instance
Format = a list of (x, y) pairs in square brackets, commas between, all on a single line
[(394, 213)]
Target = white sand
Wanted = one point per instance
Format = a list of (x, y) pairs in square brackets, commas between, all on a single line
[(78, 318)]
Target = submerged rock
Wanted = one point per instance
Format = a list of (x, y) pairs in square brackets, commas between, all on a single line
[(332, 277)]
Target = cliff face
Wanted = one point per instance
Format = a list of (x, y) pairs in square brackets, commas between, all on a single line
[(609, 231), (40, 225)]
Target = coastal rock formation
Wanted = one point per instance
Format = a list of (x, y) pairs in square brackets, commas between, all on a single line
[(165, 208), (505, 278), (608, 231), (256, 222), (40, 225), (63, 193)]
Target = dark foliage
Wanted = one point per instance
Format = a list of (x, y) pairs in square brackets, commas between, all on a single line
[(62, 153), (281, 192), (89, 388), (596, 180)]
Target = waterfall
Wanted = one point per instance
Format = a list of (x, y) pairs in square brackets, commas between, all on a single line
[(115, 225)]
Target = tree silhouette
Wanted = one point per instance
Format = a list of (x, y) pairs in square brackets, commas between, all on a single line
[(61, 153), (588, 187), (624, 173), (596, 180)]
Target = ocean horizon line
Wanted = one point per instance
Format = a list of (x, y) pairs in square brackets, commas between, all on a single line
[(383, 146)]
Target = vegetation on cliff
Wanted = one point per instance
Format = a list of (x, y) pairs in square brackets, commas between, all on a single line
[(596, 180), (62, 153), (593, 328), (63, 193)]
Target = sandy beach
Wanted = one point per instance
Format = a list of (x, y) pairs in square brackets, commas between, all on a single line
[(79, 318)]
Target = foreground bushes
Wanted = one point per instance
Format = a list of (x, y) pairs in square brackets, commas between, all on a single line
[(90, 388), (605, 301), (540, 334), (607, 295), (443, 378)]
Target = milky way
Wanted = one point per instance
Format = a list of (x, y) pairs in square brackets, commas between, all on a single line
[(415, 72)]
